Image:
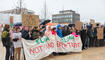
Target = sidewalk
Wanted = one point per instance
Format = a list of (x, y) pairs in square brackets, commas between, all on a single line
[(3, 52), (96, 53)]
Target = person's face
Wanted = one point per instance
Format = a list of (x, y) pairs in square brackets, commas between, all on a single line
[(14, 29), (60, 27), (55, 30), (65, 28), (18, 30), (73, 28), (49, 27), (30, 28), (26, 28)]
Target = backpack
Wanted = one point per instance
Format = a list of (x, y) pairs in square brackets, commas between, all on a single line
[(4, 34)]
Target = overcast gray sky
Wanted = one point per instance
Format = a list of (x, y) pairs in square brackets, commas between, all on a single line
[(86, 8)]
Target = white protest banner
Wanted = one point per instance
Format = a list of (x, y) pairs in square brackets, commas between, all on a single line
[(43, 47), (69, 44)]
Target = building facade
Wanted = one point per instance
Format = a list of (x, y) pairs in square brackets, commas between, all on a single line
[(66, 16), (18, 11)]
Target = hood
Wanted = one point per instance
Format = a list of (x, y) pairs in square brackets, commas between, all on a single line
[(58, 26)]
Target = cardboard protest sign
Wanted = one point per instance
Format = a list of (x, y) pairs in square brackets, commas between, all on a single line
[(92, 21), (78, 25), (100, 33), (30, 20), (98, 24), (43, 47)]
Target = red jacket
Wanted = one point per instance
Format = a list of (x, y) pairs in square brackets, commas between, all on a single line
[(54, 32)]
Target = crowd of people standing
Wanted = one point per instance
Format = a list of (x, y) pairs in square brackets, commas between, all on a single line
[(12, 37)]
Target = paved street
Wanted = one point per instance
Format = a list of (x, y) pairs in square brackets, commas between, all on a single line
[(89, 54), (2, 52)]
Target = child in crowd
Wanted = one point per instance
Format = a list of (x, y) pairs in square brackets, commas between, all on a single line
[(17, 43)]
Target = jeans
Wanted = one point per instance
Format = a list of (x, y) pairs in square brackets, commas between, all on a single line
[(87, 42), (12, 53), (104, 41), (7, 53)]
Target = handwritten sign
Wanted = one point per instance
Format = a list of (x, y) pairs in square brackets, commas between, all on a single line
[(92, 21), (30, 20), (100, 33), (43, 47), (78, 25)]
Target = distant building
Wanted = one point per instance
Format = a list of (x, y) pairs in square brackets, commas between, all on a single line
[(18, 11), (66, 16)]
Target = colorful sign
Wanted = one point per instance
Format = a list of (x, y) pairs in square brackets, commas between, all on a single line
[(11, 21)]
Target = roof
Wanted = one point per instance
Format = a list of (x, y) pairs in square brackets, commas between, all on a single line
[(17, 11)]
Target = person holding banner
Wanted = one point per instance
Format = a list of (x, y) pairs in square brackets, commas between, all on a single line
[(59, 31), (48, 31), (17, 43), (55, 34), (60, 34), (35, 33), (73, 29), (66, 31), (25, 33), (54, 31)]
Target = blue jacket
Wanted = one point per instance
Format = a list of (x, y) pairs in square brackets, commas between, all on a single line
[(59, 32)]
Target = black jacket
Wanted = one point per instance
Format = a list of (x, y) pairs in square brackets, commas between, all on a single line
[(65, 32), (25, 34)]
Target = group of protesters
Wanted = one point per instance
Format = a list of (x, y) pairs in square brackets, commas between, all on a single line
[(12, 37)]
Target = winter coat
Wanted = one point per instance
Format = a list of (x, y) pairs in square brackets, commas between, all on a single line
[(35, 34), (66, 32), (54, 32), (6, 40), (25, 35), (59, 32)]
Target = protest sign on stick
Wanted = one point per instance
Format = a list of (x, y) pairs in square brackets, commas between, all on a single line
[(30, 20), (78, 25), (92, 21), (11, 21), (100, 33)]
